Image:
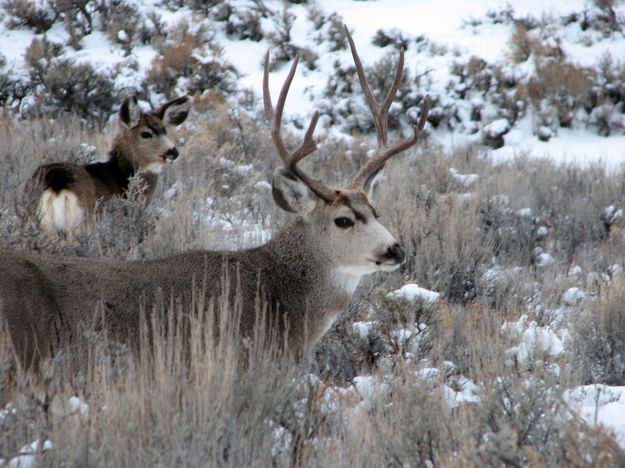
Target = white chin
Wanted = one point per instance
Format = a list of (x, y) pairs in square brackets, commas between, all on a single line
[(388, 266), (154, 168)]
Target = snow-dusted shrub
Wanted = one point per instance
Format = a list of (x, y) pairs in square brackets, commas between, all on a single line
[(188, 66), (77, 17), (123, 24), (598, 339), (32, 15), (329, 29), (514, 232), (521, 422), (244, 23), (520, 44), (606, 120), (602, 18), (413, 433), (437, 229), (347, 107), (78, 89), (564, 85), (392, 37)]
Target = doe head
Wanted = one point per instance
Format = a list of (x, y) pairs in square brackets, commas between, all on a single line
[(143, 136), (342, 224)]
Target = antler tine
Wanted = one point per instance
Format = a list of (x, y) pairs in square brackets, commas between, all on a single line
[(376, 163), (379, 111), (307, 147), (380, 119)]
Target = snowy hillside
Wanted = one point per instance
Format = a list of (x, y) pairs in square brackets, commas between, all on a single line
[(539, 78)]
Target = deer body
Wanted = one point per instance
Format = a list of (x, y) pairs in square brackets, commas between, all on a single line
[(68, 195), (303, 277), (48, 301)]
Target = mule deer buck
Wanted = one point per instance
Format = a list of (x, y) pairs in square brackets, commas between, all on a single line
[(67, 195), (304, 276)]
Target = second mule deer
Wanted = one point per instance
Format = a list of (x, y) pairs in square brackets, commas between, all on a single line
[(304, 276), (67, 195)]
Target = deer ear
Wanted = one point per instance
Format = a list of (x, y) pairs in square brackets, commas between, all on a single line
[(372, 183), (291, 194), (174, 112), (129, 112)]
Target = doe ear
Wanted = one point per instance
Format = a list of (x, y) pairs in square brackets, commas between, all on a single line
[(291, 194), (174, 112), (129, 112)]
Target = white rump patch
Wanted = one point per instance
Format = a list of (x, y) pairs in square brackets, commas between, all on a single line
[(60, 212), (154, 167)]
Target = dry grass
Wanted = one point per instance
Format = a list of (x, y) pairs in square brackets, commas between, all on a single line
[(189, 402)]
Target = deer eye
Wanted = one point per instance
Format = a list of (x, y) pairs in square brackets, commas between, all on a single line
[(343, 222), (146, 135)]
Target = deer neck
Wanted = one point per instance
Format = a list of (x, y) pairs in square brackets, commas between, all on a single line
[(298, 253), (121, 161)]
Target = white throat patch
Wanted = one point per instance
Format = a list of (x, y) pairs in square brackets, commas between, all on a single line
[(347, 278), (154, 167)]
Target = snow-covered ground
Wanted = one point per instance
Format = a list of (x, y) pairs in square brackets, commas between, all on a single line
[(458, 28), (454, 25)]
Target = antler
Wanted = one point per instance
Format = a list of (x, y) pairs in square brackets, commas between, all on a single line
[(307, 147), (380, 120)]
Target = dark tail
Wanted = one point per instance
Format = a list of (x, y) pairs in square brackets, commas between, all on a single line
[(55, 178)]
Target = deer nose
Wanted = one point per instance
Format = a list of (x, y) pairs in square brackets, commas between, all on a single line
[(172, 153), (396, 252)]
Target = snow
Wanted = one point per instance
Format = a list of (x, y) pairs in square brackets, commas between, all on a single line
[(414, 293), (362, 329), (368, 387), (466, 180), (600, 404), (573, 296), (497, 128), (458, 27), (78, 406), (27, 457)]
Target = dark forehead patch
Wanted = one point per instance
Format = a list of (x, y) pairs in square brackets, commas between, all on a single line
[(154, 123), (358, 203)]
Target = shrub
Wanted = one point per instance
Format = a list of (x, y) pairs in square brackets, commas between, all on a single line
[(394, 38), (77, 17), (598, 344), (31, 15), (244, 23), (78, 89), (520, 44), (179, 62)]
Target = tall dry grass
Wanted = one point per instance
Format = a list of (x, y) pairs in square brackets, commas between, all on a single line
[(185, 400)]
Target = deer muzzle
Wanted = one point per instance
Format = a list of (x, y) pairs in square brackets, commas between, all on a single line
[(395, 253), (171, 154)]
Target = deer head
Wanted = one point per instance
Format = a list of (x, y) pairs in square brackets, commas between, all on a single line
[(341, 223), (143, 136)]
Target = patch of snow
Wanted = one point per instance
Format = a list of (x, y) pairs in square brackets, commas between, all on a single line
[(600, 405), (77, 406), (362, 329), (544, 259), (369, 388), (27, 457), (414, 293), (497, 128), (573, 297), (262, 185), (466, 180)]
